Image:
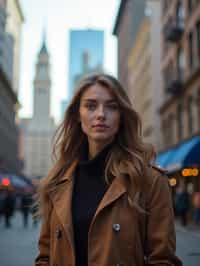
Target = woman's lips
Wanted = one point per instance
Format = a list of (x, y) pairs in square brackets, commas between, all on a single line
[(100, 126)]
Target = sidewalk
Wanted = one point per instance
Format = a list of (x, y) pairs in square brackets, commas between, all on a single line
[(18, 245), (190, 228)]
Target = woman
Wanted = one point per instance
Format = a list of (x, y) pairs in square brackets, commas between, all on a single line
[(103, 204)]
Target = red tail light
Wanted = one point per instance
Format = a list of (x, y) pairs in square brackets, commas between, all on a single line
[(5, 181)]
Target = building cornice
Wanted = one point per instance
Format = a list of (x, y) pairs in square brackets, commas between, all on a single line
[(119, 15), (20, 10)]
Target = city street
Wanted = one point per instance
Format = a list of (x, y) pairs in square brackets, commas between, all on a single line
[(18, 246)]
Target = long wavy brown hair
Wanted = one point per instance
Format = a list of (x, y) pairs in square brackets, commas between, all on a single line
[(129, 156)]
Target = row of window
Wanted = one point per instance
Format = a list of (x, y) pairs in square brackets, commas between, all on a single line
[(177, 120), (190, 5), (192, 54)]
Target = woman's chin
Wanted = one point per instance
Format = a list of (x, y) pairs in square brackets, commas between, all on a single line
[(101, 137)]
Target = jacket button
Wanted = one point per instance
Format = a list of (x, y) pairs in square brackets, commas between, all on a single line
[(116, 227), (58, 234)]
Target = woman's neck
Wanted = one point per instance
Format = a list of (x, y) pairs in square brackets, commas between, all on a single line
[(96, 147)]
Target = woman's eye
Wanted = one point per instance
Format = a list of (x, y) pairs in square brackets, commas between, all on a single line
[(112, 106), (91, 106)]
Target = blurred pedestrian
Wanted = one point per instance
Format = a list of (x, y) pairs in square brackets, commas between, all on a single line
[(196, 207), (8, 207), (182, 203), (103, 203), (2, 196), (25, 208), (34, 210)]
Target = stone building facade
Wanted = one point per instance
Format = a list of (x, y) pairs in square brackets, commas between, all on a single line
[(9, 162), (180, 112), (129, 18)]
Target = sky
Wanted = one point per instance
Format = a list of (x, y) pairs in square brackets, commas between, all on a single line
[(57, 18)]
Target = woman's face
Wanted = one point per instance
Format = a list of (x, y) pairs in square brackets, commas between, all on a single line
[(99, 114)]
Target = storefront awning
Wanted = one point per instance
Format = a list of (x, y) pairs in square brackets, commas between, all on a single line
[(163, 158), (184, 155)]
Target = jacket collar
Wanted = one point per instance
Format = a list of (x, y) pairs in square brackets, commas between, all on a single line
[(68, 173)]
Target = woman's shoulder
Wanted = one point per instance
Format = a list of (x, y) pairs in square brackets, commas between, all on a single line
[(158, 169), (156, 173)]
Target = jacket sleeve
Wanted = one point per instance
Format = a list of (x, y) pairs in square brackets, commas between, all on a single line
[(42, 258), (161, 237)]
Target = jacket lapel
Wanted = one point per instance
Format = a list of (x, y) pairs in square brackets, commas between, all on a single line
[(116, 190), (61, 198)]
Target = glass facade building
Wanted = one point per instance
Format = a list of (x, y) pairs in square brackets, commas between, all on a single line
[(86, 53)]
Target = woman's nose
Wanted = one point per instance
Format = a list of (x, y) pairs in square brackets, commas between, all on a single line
[(100, 111)]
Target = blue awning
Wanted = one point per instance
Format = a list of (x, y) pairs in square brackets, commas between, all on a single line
[(187, 154), (163, 158)]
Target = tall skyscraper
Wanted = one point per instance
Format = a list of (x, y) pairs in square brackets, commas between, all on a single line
[(86, 54), (38, 131)]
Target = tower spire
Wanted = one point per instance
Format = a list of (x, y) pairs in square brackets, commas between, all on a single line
[(44, 47)]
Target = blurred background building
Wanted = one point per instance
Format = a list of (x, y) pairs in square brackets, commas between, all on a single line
[(129, 18), (15, 19), (38, 130), (159, 65), (9, 133), (139, 62), (86, 55), (86, 68), (180, 112)]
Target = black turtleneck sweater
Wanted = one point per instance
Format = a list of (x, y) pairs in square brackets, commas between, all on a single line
[(89, 188)]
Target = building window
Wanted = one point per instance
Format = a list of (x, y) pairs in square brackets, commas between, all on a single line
[(180, 15), (190, 115), (198, 108), (198, 39), (181, 63), (148, 132), (168, 130), (42, 71), (190, 5), (179, 121), (165, 5), (171, 129), (41, 90), (164, 127), (168, 75), (190, 39)]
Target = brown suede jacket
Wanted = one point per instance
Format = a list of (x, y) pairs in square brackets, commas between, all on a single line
[(120, 234)]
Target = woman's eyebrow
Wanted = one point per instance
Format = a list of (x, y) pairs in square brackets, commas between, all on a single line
[(89, 100), (95, 100)]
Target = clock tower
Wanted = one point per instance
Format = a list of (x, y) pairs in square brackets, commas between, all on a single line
[(42, 85), (39, 130)]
